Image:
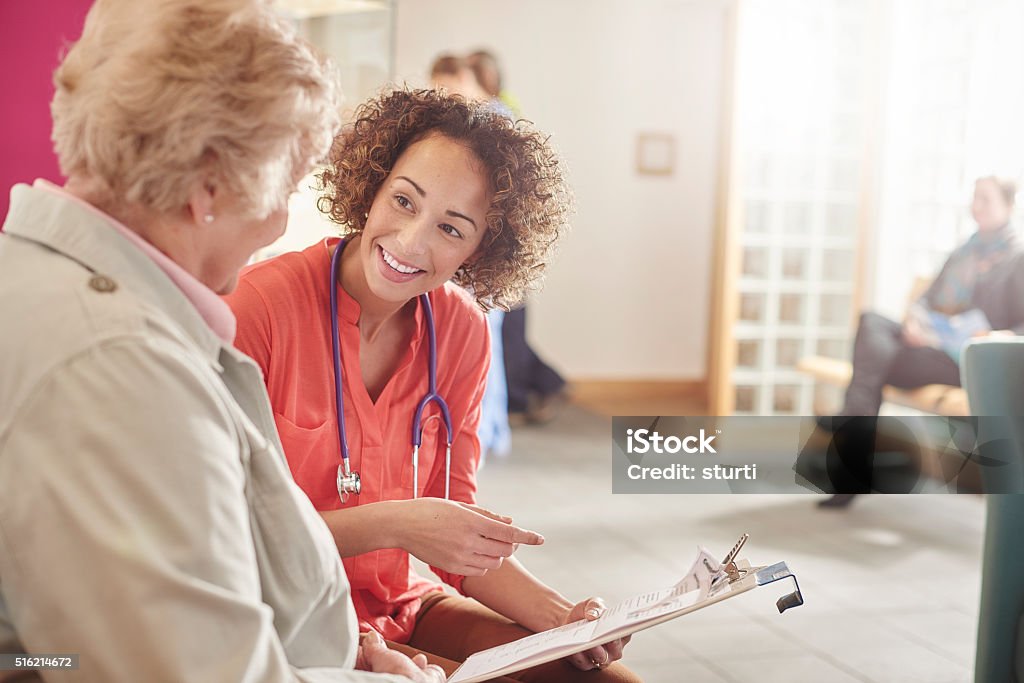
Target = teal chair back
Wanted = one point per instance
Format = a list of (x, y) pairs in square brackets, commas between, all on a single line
[(993, 374)]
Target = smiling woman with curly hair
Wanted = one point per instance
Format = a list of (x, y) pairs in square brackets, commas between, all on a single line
[(431, 192), (529, 203)]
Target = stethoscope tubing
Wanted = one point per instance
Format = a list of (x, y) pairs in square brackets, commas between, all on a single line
[(432, 395), (336, 348)]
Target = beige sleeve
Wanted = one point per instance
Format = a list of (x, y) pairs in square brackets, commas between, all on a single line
[(125, 530)]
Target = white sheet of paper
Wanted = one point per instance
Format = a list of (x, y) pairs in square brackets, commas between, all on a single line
[(691, 589), (504, 655)]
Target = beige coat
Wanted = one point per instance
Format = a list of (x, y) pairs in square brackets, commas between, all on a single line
[(148, 521)]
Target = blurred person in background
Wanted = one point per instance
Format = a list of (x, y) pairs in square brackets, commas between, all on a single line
[(148, 522), (536, 391), (982, 281), (452, 74), (487, 71)]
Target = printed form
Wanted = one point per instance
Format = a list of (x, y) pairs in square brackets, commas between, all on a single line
[(699, 585)]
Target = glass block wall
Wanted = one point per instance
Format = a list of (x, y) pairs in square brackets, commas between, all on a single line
[(801, 116)]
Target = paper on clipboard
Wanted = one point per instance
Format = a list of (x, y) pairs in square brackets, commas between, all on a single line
[(706, 583)]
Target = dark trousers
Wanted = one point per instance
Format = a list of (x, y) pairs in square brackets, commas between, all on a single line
[(850, 456), (880, 357), (525, 371)]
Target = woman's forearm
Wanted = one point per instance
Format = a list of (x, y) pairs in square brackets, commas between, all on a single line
[(455, 537), (514, 592), (365, 528)]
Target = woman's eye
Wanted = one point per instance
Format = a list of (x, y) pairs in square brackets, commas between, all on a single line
[(451, 230), (403, 201)]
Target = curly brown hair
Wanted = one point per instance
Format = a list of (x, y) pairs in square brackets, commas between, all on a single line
[(530, 201)]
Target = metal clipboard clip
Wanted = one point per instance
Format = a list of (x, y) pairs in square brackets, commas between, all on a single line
[(730, 572), (778, 572)]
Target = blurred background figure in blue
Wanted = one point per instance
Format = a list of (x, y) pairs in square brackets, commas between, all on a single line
[(453, 74), (536, 390)]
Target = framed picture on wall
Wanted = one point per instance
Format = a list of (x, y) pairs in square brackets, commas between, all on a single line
[(655, 153)]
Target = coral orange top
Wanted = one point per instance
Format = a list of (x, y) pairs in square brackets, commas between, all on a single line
[(283, 310)]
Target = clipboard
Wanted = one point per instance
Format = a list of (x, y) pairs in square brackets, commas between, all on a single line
[(708, 582)]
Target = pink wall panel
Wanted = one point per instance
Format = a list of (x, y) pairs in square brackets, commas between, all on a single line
[(32, 35)]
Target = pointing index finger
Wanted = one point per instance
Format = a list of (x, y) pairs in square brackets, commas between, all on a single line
[(487, 513), (513, 534)]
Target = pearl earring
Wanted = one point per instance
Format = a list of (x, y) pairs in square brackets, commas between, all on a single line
[(208, 218)]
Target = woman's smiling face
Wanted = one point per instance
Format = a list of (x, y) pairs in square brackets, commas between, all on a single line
[(990, 209), (426, 221)]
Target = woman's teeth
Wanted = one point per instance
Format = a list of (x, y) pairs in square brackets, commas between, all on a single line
[(393, 262)]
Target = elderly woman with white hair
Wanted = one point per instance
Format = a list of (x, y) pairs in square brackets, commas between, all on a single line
[(148, 522)]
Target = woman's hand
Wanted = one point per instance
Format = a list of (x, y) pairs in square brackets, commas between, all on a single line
[(913, 332), (375, 656), (458, 537), (596, 657)]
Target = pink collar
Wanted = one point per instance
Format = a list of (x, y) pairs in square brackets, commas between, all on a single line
[(211, 307)]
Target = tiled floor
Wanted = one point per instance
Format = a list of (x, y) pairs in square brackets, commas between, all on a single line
[(891, 585)]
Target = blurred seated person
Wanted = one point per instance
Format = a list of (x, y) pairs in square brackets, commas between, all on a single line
[(980, 288), (985, 274)]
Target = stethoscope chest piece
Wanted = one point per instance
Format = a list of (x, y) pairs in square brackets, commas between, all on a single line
[(348, 483)]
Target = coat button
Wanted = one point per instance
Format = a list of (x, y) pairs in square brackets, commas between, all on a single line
[(102, 283)]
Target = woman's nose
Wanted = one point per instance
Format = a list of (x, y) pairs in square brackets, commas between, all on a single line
[(412, 237)]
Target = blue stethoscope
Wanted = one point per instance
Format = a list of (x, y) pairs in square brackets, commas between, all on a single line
[(349, 481)]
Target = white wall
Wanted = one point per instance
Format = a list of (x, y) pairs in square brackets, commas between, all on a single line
[(629, 293)]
